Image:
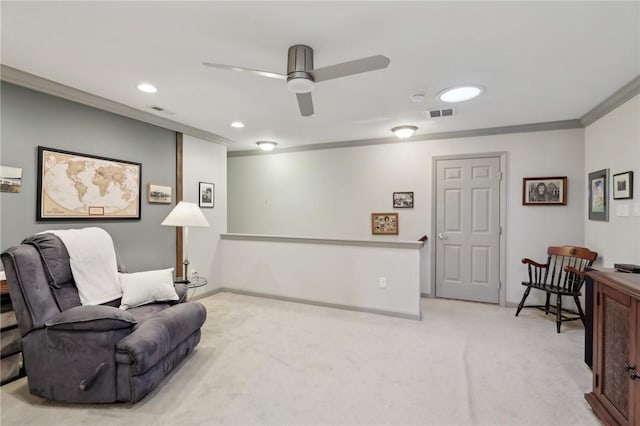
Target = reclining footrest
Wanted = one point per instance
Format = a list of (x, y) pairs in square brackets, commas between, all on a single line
[(159, 335)]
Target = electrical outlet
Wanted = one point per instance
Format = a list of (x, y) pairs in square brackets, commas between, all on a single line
[(382, 282)]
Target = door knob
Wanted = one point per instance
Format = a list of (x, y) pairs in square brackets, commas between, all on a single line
[(442, 236)]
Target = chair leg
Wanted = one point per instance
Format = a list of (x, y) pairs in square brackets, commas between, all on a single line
[(559, 312), (524, 297), (577, 300), (546, 305)]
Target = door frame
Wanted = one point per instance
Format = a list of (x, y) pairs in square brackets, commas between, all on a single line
[(502, 155)]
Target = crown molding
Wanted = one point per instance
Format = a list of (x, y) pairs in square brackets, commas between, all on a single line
[(520, 128), (621, 96), (40, 84)]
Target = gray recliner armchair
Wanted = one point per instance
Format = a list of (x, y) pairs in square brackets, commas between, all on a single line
[(91, 354)]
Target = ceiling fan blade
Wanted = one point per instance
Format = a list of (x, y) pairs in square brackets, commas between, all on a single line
[(247, 70), (305, 102), (344, 69)]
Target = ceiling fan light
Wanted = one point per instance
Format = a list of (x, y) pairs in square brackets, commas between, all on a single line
[(266, 145), (460, 93), (300, 85), (404, 132)]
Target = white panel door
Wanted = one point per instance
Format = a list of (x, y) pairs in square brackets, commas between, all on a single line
[(468, 229)]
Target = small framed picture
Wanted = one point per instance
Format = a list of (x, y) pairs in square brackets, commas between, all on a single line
[(384, 223), (403, 200), (599, 195), (207, 195), (160, 194), (623, 186), (544, 191)]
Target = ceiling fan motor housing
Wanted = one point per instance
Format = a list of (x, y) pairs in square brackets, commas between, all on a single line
[(299, 63)]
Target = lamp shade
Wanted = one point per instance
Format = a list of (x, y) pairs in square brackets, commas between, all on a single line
[(186, 214)]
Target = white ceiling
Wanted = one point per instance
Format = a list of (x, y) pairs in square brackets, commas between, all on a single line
[(540, 62)]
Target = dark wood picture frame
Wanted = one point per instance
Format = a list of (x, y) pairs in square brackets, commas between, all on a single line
[(599, 195), (622, 184), (384, 223), (403, 200), (206, 195), (48, 210), (544, 191)]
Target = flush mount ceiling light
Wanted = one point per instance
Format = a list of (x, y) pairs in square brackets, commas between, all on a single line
[(147, 88), (460, 93), (237, 124), (404, 132), (300, 85), (266, 145)]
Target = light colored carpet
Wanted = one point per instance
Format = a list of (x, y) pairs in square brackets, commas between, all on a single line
[(265, 361)]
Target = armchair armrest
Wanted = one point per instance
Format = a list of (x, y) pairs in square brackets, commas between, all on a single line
[(537, 271), (573, 270), (91, 318), (528, 261)]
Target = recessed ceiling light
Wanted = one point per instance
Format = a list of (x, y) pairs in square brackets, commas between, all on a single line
[(460, 93), (266, 145), (404, 132), (147, 88), (237, 124)]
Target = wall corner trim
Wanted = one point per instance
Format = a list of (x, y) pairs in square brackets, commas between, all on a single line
[(518, 128), (621, 96), (40, 84)]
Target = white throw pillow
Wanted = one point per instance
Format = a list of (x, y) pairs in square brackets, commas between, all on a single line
[(141, 288)]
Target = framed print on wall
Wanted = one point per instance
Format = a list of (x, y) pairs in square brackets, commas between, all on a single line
[(544, 191), (160, 194), (623, 186), (73, 186), (206, 193), (599, 195), (384, 223), (403, 200)]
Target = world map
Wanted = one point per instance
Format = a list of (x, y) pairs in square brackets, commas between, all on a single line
[(76, 186)]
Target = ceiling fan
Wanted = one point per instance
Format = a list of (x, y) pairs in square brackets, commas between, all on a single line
[(301, 77)]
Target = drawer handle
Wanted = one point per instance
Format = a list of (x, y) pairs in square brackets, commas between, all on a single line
[(633, 374)]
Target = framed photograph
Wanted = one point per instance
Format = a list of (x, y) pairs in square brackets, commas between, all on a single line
[(207, 195), (73, 186), (403, 200), (599, 195), (160, 194), (544, 191), (384, 223), (623, 186), (10, 179)]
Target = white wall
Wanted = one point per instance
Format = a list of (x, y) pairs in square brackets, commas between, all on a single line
[(205, 161), (346, 275), (331, 193), (613, 142)]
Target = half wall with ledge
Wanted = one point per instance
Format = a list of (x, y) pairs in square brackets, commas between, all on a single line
[(378, 276)]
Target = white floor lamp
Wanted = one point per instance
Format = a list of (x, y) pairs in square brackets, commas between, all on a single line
[(186, 214)]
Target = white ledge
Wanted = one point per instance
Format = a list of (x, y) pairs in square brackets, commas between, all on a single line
[(329, 241)]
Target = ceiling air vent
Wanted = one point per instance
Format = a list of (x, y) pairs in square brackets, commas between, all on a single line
[(160, 109), (438, 113)]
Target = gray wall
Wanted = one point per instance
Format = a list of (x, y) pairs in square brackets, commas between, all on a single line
[(31, 118)]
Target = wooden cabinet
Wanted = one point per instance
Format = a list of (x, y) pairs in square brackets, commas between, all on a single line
[(616, 359)]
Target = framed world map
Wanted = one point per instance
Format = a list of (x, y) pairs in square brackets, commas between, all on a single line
[(73, 186)]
